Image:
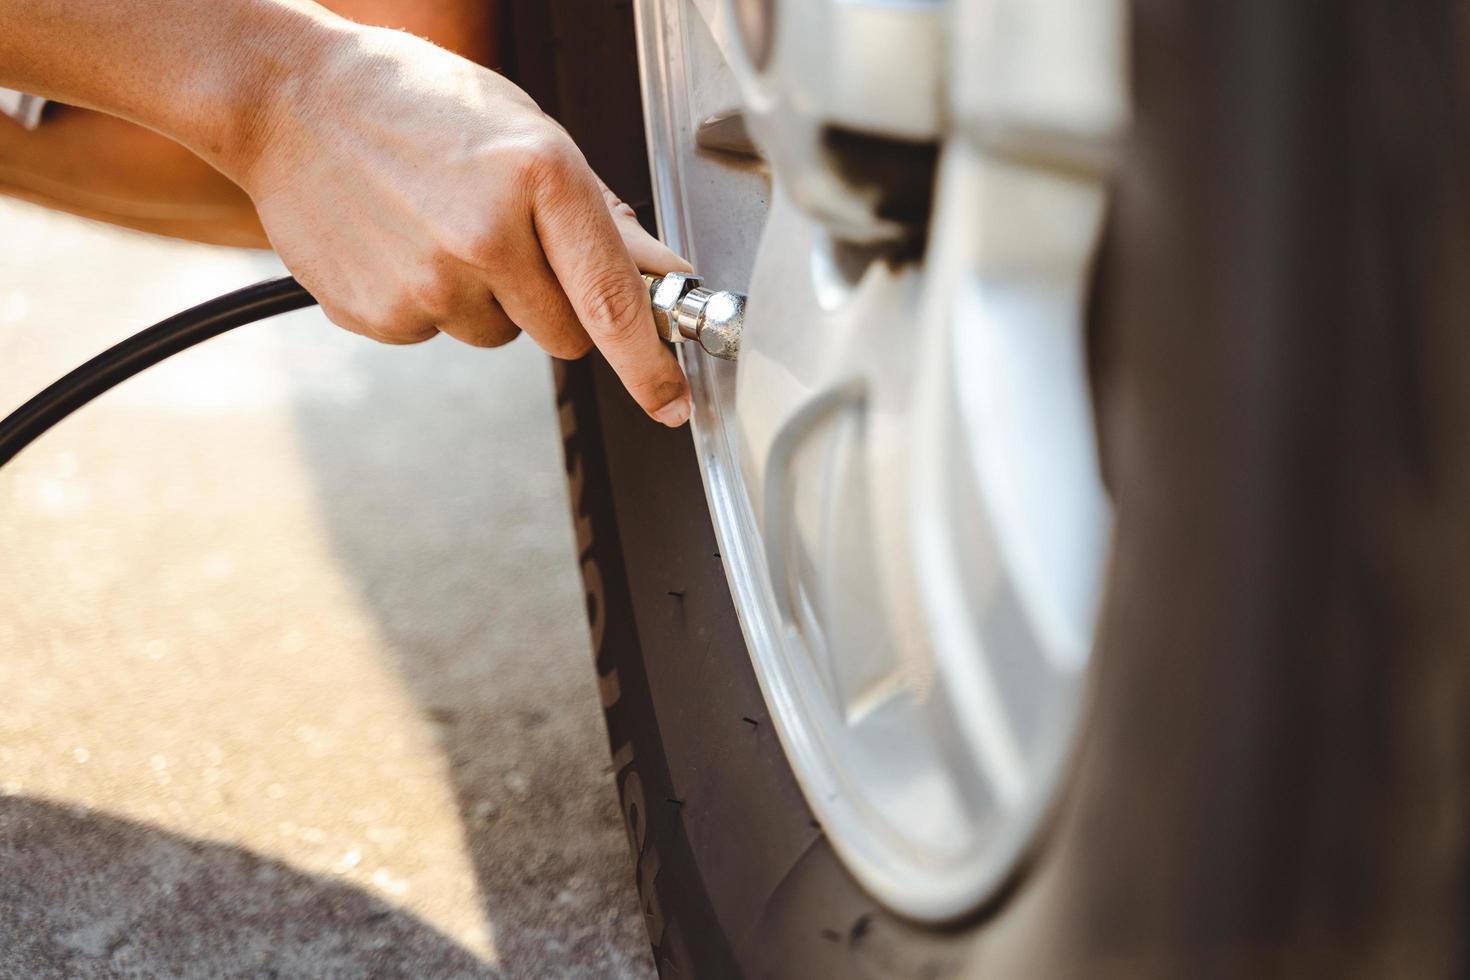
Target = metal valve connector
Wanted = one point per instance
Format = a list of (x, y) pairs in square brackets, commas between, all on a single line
[(684, 310)]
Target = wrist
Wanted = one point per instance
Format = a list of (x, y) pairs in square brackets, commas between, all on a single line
[(279, 54)]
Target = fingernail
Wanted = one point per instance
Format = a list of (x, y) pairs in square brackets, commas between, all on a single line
[(675, 413)]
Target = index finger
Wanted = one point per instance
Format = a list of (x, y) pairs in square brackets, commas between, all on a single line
[(592, 263)]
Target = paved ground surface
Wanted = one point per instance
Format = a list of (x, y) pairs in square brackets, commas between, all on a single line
[(293, 669)]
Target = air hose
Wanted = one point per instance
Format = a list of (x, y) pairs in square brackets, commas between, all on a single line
[(143, 350), (682, 310)]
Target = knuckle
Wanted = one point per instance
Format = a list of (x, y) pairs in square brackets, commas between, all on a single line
[(489, 331), (346, 320), (550, 162), (407, 337), (614, 203), (501, 334), (481, 245), (617, 309), (435, 294), (569, 349), (402, 323)]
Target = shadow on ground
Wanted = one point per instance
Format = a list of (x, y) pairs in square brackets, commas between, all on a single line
[(88, 895), (193, 640), (442, 489)]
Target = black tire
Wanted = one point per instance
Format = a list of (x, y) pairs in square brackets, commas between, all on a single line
[(1275, 777), (734, 874)]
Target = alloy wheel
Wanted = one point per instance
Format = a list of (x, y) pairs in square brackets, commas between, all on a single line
[(902, 465)]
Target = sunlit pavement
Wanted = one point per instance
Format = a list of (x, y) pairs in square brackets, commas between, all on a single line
[(294, 676)]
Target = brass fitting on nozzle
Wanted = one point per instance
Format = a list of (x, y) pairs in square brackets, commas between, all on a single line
[(684, 310)]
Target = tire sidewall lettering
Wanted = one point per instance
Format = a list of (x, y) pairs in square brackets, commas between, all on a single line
[(631, 796)]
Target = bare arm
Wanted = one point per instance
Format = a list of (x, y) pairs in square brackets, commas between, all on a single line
[(410, 190), (198, 72)]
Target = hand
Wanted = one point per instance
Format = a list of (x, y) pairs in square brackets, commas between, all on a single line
[(413, 192)]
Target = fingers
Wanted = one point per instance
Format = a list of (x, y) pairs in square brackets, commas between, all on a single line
[(398, 333), (482, 322), (587, 253), (649, 254), (534, 299), (401, 339), (514, 269), (442, 299)]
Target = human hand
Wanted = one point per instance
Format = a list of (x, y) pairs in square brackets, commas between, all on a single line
[(413, 192)]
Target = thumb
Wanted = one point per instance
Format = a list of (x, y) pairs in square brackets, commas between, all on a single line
[(649, 254)]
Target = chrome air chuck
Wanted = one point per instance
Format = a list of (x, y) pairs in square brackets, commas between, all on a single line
[(684, 310)]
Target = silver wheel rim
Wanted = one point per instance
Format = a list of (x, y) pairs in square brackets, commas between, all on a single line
[(916, 580)]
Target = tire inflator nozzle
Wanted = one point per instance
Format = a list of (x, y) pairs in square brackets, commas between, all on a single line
[(684, 310)]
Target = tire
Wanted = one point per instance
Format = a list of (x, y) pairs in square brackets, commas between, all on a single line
[(1277, 753), (734, 875)]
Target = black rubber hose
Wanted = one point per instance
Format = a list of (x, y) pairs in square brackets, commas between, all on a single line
[(141, 351)]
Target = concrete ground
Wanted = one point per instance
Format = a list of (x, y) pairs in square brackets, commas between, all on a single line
[(294, 674)]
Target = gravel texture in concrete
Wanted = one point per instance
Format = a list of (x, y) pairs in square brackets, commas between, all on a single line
[(294, 674)]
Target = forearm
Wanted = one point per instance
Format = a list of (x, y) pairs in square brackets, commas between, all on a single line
[(201, 73), (102, 167)]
